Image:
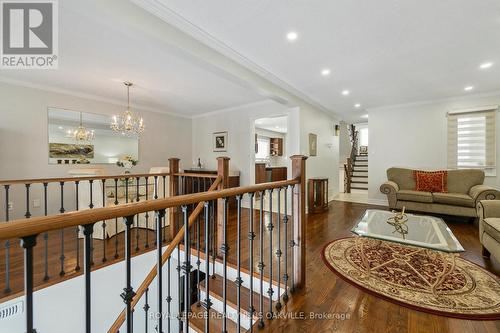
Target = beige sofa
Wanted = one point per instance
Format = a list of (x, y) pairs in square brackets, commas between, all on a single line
[(488, 212), (465, 190)]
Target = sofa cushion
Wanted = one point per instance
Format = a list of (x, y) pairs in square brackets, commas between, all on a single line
[(491, 226), (403, 177), (417, 196), (454, 199), (460, 181), (430, 181)]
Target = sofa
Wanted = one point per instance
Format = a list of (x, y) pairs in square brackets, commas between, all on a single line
[(464, 191), (488, 212)]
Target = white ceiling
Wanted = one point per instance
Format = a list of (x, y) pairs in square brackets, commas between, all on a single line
[(275, 124), (98, 51), (384, 52)]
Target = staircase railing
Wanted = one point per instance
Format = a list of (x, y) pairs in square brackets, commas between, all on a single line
[(64, 194), (349, 165), (276, 217)]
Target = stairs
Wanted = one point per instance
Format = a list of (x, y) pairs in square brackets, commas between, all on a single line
[(359, 179), (216, 285)]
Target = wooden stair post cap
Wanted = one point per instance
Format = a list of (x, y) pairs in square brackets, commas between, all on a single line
[(299, 157)]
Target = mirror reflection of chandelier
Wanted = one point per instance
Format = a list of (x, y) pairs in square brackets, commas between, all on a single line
[(128, 123), (82, 134)]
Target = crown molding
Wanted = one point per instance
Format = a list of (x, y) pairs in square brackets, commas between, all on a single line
[(159, 9), (435, 101), (92, 97)]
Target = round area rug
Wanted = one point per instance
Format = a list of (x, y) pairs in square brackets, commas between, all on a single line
[(422, 279)]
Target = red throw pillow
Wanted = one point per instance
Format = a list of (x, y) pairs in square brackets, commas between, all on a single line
[(431, 181)]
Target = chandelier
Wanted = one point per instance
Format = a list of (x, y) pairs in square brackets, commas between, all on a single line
[(128, 123), (81, 134)]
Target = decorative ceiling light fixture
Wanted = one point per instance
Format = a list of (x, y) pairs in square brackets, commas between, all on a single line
[(128, 123), (81, 134)]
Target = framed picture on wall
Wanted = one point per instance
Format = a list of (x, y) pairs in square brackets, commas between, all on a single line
[(313, 144), (220, 141)]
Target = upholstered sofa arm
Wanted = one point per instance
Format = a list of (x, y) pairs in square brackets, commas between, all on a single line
[(390, 188), (484, 192), (488, 208)]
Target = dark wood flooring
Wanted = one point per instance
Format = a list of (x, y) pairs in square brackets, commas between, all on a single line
[(325, 294)]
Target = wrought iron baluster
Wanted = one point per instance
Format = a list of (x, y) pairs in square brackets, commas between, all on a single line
[(159, 217), (251, 237), (46, 234), (104, 238), (292, 243), (285, 223), (7, 243), (270, 227), (91, 206), (146, 215), (238, 280), (261, 260), (165, 216), (224, 250), (88, 229), (179, 292), (155, 197), (116, 219), (28, 243), (128, 292), (62, 210), (198, 261), (146, 309), (77, 229), (278, 251), (207, 304), (214, 243), (187, 270), (169, 297), (28, 213), (137, 199)]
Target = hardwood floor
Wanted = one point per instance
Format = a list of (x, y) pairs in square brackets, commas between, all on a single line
[(325, 294)]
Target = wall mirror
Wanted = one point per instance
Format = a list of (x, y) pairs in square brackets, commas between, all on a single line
[(106, 146)]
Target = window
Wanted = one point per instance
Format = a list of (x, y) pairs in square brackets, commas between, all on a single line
[(471, 139), (263, 150)]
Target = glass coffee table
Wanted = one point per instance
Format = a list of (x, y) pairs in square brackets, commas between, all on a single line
[(419, 230)]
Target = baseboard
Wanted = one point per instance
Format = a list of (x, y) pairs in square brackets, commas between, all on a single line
[(379, 202)]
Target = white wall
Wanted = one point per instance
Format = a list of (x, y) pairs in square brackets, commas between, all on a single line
[(24, 146), (326, 163), (344, 144), (414, 136), (239, 123)]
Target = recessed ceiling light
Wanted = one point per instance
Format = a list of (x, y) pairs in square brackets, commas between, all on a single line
[(291, 36), (364, 116), (325, 72), (469, 88), (357, 106), (486, 65), (345, 92)]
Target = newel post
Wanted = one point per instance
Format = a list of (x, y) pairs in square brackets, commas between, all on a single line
[(222, 171), (299, 219), (173, 190)]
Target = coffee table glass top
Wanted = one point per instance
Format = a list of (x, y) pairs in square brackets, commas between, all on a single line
[(424, 231)]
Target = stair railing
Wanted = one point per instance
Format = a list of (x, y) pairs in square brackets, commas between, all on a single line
[(349, 165), (64, 194), (216, 229)]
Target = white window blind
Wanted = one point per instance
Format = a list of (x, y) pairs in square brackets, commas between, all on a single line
[(472, 139)]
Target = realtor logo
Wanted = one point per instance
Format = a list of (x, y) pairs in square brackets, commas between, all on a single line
[(29, 34)]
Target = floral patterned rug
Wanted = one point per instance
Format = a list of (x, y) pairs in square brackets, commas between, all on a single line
[(422, 279)]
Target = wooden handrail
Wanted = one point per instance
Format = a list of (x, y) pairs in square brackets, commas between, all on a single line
[(166, 255), (37, 225), (72, 179)]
